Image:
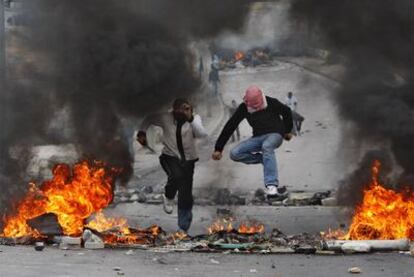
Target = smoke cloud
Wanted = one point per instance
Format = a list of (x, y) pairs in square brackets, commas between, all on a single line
[(101, 61), (375, 40)]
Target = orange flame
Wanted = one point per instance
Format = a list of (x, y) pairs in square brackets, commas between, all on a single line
[(239, 55), (333, 234), (251, 228), (118, 231), (226, 226), (221, 225), (101, 223), (72, 195), (383, 213)]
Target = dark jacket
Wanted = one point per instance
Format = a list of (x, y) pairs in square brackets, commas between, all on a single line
[(276, 118), (213, 76)]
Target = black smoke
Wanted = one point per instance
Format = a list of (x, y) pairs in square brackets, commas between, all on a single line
[(375, 41), (102, 61)]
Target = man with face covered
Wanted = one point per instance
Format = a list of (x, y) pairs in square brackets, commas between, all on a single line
[(180, 129), (271, 122)]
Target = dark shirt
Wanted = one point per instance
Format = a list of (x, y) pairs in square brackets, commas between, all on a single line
[(276, 118), (214, 76)]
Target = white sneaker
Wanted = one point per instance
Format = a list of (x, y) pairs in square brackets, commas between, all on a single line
[(168, 204), (277, 193), (271, 190)]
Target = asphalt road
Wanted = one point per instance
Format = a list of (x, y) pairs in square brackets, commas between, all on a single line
[(25, 261)]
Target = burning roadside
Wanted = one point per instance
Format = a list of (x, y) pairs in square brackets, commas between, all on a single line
[(69, 209)]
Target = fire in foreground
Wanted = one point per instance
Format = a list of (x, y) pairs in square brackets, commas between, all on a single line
[(384, 214), (226, 225), (72, 195), (77, 198)]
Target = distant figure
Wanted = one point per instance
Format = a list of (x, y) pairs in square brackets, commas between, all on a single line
[(232, 110), (292, 103), (214, 79), (200, 67), (215, 61)]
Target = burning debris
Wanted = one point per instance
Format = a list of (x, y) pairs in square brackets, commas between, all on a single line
[(383, 214), (72, 195), (69, 199), (228, 59), (68, 209), (226, 225), (382, 222)]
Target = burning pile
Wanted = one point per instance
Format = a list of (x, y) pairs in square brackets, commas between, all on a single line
[(239, 55), (74, 195), (225, 225), (384, 214), (76, 198)]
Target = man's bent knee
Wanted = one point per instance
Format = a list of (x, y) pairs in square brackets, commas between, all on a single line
[(268, 147), (272, 143), (234, 154)]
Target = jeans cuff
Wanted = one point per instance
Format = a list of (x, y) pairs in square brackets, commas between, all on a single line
[(271, 184)]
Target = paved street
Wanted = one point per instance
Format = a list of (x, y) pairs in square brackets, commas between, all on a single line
[(25, 261)]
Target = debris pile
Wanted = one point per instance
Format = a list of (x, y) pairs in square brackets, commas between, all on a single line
[(224, 196)]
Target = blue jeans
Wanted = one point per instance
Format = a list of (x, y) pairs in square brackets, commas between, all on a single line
[(260, 150)]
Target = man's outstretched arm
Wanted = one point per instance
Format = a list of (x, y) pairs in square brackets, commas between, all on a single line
[(228, 130), (198, 128)]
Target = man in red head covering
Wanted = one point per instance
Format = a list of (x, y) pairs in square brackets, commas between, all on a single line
[(271, 122)]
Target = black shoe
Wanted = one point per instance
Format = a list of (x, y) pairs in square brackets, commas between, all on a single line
[(185, 217)]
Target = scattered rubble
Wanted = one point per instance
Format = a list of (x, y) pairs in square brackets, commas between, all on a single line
[(259, 196), (69, 243), (231, 240), (375, 245), (94, 245), (305, 249), (47, 224), (302, 198), (213, 261), (354, 270), (355, 247), (329, 202), (224, 196), (39, 246), (92, 241)]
